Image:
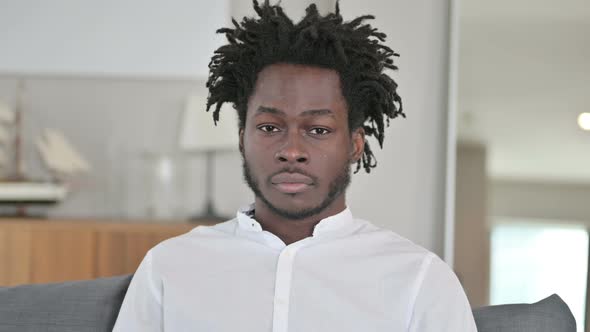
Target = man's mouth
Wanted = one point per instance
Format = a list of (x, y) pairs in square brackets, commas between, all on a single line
[(291, 183), (292, 188)]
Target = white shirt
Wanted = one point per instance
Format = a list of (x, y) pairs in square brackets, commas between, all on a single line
[(348, 276)]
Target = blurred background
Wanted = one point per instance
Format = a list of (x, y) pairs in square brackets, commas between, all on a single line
[(523, 151), (105, 148)]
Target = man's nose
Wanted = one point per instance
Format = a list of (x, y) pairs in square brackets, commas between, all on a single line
[(293, 149)]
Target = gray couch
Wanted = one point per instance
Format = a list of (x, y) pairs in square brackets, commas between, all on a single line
[(92, 306)]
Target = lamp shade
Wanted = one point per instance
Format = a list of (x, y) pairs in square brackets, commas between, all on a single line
[(199, 133)]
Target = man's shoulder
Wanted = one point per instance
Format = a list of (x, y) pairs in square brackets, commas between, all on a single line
[(390, 240), (397, 249), (197, 235)]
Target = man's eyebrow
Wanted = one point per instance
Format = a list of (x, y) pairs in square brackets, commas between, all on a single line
[(318, 112), (272, 110)]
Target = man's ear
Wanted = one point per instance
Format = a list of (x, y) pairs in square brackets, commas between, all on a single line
[(241, 139), (358, 144)]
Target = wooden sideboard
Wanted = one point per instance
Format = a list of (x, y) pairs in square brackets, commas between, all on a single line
[(42, 251)]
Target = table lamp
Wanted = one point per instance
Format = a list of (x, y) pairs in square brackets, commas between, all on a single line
[(199, 134)]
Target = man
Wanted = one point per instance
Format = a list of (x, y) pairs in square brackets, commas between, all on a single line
[(307, 95)]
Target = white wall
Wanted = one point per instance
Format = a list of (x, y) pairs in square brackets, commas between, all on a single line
[(295, 9), (133, 37), (404, 193), (555, 201)]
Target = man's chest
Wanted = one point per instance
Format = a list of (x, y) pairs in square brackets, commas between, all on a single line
[(309, 290)]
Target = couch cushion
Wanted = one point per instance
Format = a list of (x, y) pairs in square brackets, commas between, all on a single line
[(80, 306), (550, 314)]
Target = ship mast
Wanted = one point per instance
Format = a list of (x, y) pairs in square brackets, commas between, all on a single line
[(18, 142)]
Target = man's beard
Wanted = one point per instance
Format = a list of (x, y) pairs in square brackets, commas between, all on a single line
[(337, 187)]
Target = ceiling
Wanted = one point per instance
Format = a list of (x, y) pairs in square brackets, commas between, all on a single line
[(524, 76)]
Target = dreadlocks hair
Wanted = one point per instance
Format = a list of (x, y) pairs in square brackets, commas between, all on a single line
[(353, 49)]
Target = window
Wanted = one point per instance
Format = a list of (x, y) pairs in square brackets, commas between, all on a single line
[(531, 260)]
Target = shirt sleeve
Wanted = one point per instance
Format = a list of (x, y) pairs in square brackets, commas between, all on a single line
[(142, 307), (440, 304)]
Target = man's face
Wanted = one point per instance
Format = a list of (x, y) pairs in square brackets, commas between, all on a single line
[(296, 144)]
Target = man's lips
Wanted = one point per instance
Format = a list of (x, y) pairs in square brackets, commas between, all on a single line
[(291, 183)]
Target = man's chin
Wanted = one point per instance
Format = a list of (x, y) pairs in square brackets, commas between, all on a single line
[(293, 209)]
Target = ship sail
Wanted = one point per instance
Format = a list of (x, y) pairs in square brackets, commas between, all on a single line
[(7, 118), (59, 155), (6, 113)]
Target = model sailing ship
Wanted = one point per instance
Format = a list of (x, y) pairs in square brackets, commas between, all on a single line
[(58, 155)]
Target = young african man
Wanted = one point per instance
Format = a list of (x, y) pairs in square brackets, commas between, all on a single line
[(307, 95)]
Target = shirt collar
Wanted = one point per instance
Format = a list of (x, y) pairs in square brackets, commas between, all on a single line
[(341, 223), (245, 220)]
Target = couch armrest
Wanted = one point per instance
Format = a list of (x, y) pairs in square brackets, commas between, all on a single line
[(550, 314), (79, 306)]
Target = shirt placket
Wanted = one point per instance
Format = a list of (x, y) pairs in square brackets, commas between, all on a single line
[(283, 284)]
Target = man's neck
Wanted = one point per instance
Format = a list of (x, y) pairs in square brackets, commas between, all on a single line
[(292, 230)]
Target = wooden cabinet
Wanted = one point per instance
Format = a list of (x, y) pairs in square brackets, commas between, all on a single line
[(42, 251)]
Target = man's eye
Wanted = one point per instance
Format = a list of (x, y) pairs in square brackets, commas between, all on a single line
[(319, 131), (268, 128)]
